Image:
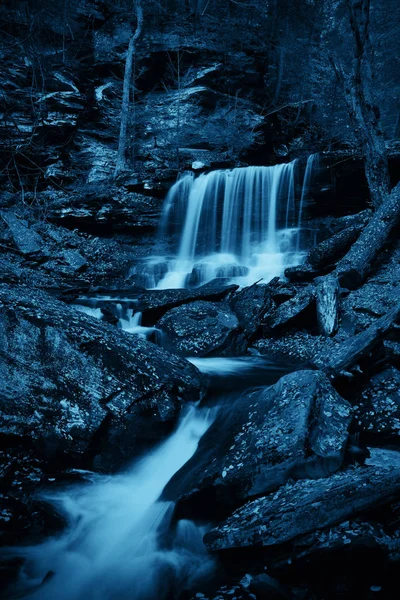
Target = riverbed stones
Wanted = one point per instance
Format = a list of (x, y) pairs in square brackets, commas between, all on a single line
[(79, 388), (377, 412), (297, 428), (201, 329), (301, 507)]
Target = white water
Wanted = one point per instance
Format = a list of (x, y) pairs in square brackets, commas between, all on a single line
[(111, 549), (243, 224), (226, 366), (133, 324)]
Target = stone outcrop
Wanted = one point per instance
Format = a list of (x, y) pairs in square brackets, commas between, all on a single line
[(79, 388)]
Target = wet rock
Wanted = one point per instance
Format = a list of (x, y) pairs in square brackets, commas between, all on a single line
[(102, 208), (329, 226), (298, 347), (392, 351), (377, 412), (75, 260), (289, 311), (300, 273), (77, 388), (201, 329), (250, 305), (296, 428), (305, 506), (25, 239), (378, 295), (153, 304)]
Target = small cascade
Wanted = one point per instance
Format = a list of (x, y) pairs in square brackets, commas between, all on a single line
[(113, 547), (133, 324), (242, 224)]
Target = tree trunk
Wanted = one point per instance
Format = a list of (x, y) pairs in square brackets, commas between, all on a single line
[(330, 250), (341, 360), (353, 268), (363, 113), (327, 297), (120, 164)]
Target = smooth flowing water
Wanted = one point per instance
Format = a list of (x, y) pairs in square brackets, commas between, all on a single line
[(243, 224), (112, 548)]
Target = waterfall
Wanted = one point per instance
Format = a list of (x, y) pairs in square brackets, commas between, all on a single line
[(242, 224), (112, 547)]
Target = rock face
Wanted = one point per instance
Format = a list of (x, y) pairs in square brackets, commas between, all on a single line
[(294, 429), (79, 388), (200, 329), (304, 506)]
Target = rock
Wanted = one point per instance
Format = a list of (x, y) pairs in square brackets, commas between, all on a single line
[(296, 428), (300, 273), (392, 351), (102, 208), (26, 239), (153, 304), (290, 310), (378, 295), (74, 259), (329, 226), (377, 410), (250, 305), (298, 347), (305, 506), (79, 388), (200, 329), (265, 586)]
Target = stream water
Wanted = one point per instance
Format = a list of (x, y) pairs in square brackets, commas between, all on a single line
[(112, 547), (119, 542)]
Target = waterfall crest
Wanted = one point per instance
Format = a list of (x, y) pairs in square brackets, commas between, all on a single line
[(243, 224)]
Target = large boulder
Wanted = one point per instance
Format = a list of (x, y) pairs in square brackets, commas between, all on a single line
[(294, 429), (78, 388), (301, 507), (201, 329)]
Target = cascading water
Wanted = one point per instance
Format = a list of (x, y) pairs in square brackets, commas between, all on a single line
[(243, 224), (111, 549)]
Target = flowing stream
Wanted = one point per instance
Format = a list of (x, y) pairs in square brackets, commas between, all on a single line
[(112, 548), (120, 543)]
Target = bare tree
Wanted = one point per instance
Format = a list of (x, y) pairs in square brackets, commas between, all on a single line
[(121, 161)]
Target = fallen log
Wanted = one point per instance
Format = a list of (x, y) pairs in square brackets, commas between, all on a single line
[(291, 309), (332, 249), (347, 354), (328, 301), (353, 268)]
